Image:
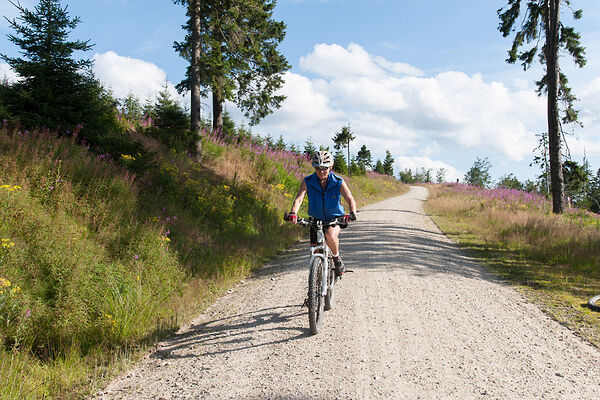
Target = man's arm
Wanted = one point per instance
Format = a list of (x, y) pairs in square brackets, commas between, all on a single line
[(299, 197), (345, 191)]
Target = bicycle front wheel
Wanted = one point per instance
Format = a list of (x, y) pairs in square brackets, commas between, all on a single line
[(315, 300), (330, 286)]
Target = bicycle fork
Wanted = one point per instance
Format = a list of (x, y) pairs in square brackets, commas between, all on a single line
[(324, 271)]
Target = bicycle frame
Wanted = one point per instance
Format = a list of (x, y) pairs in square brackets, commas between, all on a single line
[(322, 278), (321, 250)]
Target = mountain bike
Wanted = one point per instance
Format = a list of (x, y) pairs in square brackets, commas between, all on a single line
[(322, 276)]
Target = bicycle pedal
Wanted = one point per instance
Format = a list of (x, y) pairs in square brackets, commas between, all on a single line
[(305, 304)]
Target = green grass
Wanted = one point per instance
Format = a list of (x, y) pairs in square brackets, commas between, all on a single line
[(110, 256), (552, 259)]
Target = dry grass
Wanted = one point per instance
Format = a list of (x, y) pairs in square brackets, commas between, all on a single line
[(553, 258)]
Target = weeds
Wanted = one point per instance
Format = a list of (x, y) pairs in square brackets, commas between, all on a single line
[(110, 253), (554, 258)]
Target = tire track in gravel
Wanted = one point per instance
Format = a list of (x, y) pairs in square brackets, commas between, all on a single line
[(417, 319)]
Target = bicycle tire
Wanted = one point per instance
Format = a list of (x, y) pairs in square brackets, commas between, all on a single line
[(592, 303), (315, 300), (330, 296)]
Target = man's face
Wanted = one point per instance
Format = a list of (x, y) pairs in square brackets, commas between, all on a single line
[(322, 172)]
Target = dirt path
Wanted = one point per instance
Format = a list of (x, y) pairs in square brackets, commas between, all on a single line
[(416, 319)]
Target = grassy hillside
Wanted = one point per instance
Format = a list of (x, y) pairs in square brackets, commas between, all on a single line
[(102, 255), (554, 259)]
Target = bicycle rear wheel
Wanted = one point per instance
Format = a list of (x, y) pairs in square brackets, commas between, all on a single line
[(315, 300)]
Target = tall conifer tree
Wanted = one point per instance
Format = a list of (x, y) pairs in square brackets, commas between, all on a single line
[(541, 24), (232, 49)]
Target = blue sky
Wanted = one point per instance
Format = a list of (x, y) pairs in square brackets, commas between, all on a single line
[(424, 79)]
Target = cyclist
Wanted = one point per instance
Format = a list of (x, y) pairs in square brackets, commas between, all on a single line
[(324, 189)]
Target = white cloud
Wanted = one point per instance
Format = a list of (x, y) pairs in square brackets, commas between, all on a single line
[(398, 68), (408, 114), (307, 111), (415, 164), (125, 74), (336, 61), (6, 72)]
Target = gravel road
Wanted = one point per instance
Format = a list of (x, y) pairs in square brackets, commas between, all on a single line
[(417, 319)]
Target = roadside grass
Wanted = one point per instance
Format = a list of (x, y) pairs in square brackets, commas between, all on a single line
[(553, 259), (101, 257)]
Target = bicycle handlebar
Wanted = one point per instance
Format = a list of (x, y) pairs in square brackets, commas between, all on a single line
[(314, 222)]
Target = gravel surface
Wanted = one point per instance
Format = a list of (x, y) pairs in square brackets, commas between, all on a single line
[(417, 319)]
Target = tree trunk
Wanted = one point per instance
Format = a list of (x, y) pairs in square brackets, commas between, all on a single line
[(196, 118), (217, 112), (348, 156), (554, 129)]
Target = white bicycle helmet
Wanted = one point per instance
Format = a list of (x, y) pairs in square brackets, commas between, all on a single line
[(322, 159)]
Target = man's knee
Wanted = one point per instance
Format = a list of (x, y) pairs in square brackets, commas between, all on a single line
[(332, 233)]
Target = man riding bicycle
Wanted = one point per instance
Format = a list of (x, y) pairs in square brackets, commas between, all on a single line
[(324, 190)]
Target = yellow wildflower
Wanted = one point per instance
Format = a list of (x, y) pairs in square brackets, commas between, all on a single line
[(226, 187)]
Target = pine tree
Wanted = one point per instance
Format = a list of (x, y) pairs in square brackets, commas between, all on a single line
[(55, 90), (440, 175), (339, 162), (364, 159), (342, 140), (379, 167), (280, 144), (309, 148), (479, 173), (232, 49), (542, 24), (388, 164)]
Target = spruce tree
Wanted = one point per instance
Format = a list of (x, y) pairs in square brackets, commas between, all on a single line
[(538, 22), (232, 49), (342, 140), (339, 162), (388, 164), (364, 159), (309, 148), (48, 71), (55, 90)]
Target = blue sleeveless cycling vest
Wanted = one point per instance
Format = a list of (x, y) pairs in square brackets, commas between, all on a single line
[(324, 205)]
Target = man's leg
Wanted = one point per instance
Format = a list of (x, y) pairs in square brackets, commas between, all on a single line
[(331, 236)]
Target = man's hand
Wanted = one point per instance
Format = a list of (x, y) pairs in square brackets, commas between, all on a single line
[(352, 216), (292, 217)]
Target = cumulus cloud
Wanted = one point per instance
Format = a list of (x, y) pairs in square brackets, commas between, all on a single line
[(394, 106), (415, 164), (335, 61), (124, 75), (7, 73)]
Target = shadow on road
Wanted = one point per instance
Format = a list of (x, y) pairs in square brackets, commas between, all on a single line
[(374, 245), (237, 332)]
